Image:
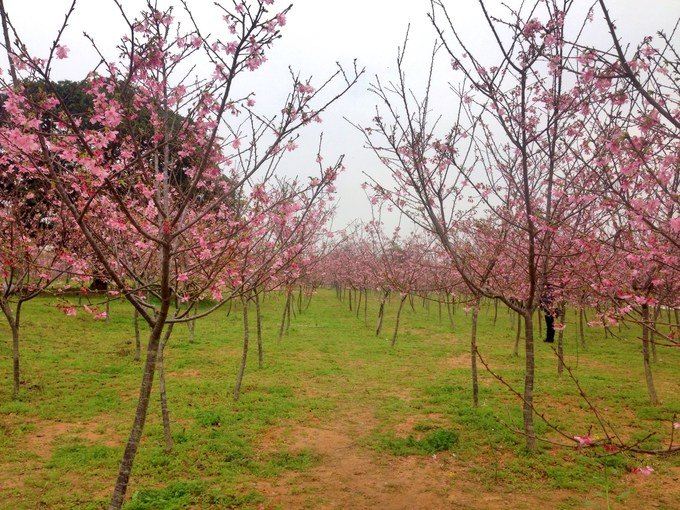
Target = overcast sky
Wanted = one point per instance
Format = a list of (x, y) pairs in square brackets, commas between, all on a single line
[(319, 33)]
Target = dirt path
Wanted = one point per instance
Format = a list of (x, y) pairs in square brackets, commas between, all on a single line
[(350, 475)]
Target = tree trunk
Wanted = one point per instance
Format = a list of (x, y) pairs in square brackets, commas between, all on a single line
[(359, 302), (652, 333), (14, 321), (165, 413), (138, 343), (527, 409), (290, 310), (449, 311), (515, 351), (141, 411), (381, 314), (365, 306), (473, 354), (396, 325), (495, 311), (16, 375), (649, 379), (285, 314), (244, 355), (581, 327), (309, 300), (560, 343), (258, 321)]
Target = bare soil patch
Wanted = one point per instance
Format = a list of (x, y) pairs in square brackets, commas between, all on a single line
[(44, 434), (350, 475), (649, 494)]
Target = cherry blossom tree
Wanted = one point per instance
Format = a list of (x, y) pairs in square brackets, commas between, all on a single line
[(37, 248), (629, 143), (506, 158), (163, 158)]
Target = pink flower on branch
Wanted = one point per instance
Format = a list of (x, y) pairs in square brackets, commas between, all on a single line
[(61, 51)]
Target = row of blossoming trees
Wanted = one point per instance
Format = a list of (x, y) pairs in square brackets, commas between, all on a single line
[(372, 265), (555, 183), (160, 179), (555, 180)]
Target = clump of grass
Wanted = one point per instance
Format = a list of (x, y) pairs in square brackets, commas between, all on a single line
[(424, 427), (180, 495), (294, 461), (435, 441), (208, 418), (81, 456), (15, 407), (172, 497)]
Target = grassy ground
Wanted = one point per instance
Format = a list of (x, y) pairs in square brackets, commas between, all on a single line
[(335, 419)]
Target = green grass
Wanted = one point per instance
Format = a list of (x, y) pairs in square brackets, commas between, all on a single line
[(435, 441), (62, 440), (178, 495)]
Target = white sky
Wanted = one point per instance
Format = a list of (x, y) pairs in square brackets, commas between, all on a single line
[(319, 33)]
